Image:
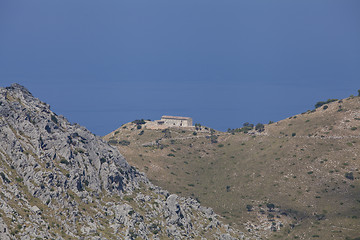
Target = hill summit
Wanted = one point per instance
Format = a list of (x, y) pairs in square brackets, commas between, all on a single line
[(298, 178)]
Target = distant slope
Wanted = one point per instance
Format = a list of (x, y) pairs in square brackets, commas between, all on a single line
[(306, 166), (59, 181)]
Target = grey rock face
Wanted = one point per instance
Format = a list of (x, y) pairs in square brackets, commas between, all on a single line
[(59, 181)]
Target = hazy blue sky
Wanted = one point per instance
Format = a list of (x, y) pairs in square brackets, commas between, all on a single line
[(104, 63)]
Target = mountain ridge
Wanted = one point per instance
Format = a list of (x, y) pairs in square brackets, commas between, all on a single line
[(60, 181)]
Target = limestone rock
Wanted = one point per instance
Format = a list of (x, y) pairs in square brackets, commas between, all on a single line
[(60, 181)]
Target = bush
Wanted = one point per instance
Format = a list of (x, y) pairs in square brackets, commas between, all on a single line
[(248, 125), (113, 142), (319, 104), (64, 161), (194, 133), (349, 175), (259, 127), (124, 143), (102, 160), (171, 155), (19, 179), (220, 145), (293, 134), (270, 206), (213, 138), (325, 107), (54, 119), (138, 126), (139, 122), (249, 207), (5, 179)]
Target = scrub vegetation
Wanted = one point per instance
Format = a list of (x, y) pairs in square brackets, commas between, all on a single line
[(304, 168)]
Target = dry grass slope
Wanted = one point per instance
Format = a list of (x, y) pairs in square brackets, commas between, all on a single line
[(306, 167)]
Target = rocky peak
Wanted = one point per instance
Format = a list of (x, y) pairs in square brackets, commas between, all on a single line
[(58, 180)]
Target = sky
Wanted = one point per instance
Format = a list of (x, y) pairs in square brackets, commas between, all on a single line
[(104, 63)]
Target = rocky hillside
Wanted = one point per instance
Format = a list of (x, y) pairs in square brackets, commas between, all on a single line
[(298, 178), (59, 181)]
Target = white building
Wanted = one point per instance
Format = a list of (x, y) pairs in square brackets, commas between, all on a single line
[(173, 121)]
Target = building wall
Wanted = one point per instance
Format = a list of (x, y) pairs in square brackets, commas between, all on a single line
[(177, 122)]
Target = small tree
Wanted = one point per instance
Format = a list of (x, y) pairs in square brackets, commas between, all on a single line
[(246, 124), (259, 127), (359, 92), (349, 175), (270, 206)]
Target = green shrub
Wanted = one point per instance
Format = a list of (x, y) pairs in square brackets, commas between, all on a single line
[(248, 125), (249, 207), (124, 142), (5, 179), (54, 119), (113, 142), (220, 145), (194, 133), (64, 161), (321, 103), (353, 128), (139, 122), (270, 206), (102, 160), (213, 138), (19, 179), (259, 127), (171, 155), (349, 175)]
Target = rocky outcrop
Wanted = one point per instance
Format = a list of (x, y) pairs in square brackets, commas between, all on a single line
[(60, 181)]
